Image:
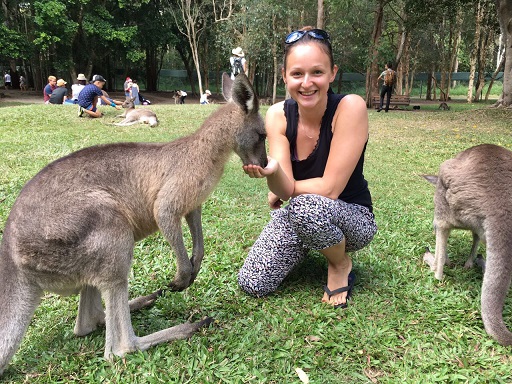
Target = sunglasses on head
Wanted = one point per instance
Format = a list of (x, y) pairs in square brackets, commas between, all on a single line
[(318, 34)]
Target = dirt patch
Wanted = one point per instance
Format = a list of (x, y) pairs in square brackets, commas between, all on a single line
[(161, 97)]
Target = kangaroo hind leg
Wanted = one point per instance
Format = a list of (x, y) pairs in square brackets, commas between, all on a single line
[(18, 302), (90, 311), (120, 337)]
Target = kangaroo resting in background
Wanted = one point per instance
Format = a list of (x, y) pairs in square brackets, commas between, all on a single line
[(73, 227), (474, 191), (139, 115)]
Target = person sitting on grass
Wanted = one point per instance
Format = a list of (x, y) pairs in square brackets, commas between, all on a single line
[(204, 97), (48, 89), (60, 94), (89, 96)]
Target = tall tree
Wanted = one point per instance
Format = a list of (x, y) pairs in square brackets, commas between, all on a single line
[(191, 21), (373, 57), (504, 9), (320, 18)]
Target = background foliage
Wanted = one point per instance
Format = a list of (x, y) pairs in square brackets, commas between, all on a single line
[(139, 38)]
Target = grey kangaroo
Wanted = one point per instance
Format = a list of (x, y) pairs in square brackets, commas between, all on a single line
[(73, 227), (474, 191), (139, 115)]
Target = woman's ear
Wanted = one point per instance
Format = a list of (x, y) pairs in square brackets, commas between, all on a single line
[(334, 72)]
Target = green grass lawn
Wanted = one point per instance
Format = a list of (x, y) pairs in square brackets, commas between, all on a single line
[(401, 325)]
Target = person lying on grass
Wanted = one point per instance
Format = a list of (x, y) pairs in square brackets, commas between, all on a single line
[(90, 95), (317, 140)]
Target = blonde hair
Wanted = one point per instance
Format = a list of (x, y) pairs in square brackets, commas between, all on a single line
[(52, 78)]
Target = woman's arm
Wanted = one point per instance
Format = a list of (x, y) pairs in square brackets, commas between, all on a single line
[(279, 169), (350, 133)]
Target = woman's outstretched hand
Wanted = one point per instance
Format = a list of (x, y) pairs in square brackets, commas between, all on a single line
[(256, 171)]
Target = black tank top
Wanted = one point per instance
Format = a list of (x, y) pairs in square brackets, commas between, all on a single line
[(356, 190)]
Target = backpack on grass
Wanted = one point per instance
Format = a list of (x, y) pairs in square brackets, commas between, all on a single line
[(389, 78)]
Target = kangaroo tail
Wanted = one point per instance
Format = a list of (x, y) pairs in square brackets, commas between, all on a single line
[(18, 301), (496, 283)]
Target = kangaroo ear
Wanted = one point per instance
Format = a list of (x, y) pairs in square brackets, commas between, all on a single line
[(227, 86), (431, 178), (243, 94)]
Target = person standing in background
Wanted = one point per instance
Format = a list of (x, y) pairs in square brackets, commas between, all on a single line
[(7, 80), (127, 87), (388, 76), (237, 62), (23, 83), (135, 92)]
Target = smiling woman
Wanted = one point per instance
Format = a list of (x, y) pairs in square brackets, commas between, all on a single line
[(317, 142)]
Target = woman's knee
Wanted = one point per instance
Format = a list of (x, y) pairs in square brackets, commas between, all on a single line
[(254, 284), (311, 217)]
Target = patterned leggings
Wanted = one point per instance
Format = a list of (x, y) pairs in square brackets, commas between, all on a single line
[(307, 222)]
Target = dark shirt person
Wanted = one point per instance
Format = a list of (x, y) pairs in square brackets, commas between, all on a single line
[(60, 94)]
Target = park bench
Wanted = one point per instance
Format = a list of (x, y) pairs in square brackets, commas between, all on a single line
[(395, 100)]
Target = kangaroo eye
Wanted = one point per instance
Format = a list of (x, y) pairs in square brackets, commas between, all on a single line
[(262, 136)]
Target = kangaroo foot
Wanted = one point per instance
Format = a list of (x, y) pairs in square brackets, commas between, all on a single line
[(429, 259), (144, 301), (480, 261)]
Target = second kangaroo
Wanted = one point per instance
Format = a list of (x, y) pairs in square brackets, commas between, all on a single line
[(474, 191), (139, 115), (73, 227)]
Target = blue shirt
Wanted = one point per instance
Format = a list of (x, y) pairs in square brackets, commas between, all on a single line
[(87, 95)]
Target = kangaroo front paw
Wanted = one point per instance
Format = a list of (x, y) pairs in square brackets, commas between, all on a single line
[(181, 282)]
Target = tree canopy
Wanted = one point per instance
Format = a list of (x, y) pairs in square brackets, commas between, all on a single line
[(39, 38)]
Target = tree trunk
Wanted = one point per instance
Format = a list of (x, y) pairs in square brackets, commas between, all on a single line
[(320, 17), (372, 71), (275, 64), (504, 8), (494, 75), (400, 66), (192, 18), (151, 69), (474, 51), (486, 39), (455, 39)]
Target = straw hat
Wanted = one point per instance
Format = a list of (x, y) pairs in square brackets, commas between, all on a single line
[(238, 52), (81, 76)]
